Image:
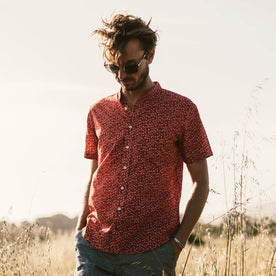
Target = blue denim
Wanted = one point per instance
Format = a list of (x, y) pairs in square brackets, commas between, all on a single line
[(91, 261)]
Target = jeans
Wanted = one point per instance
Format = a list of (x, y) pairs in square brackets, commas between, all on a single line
[(91, 261)]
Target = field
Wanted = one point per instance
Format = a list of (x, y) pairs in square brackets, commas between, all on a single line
[(221, 250)]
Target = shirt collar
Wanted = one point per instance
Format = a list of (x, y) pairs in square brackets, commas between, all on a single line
[(151, 93)]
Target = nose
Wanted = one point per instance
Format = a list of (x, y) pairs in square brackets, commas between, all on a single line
[(121, 74)]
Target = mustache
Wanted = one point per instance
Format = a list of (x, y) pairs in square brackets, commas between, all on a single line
[(125, 79)]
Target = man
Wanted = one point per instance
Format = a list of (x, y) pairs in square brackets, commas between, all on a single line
[(137, 140)]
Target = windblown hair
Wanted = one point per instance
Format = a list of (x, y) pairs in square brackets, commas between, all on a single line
[(122, 28)]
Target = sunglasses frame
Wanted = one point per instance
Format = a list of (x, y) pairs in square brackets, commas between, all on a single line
[(129, 69)]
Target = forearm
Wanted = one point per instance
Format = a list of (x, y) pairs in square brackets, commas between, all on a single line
[(193, 211), (85, 209), (199, 175)]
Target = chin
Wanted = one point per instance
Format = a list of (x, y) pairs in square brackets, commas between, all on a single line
[(134, 86), (129, 87)]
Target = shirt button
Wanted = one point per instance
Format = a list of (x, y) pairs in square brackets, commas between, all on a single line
[(130, 127), (125, 107), (127, 147), (122, 188), (125, 167), (119, 208)]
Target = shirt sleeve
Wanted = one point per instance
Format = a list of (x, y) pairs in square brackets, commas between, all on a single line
[(91, 141), (195, 143)]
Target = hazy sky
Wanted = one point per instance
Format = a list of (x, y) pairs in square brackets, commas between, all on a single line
[(51, 70)]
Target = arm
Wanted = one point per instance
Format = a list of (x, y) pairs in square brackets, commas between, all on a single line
[(195, 204), (85, 210)]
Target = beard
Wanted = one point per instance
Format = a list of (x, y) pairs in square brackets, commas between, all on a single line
[(139, 83)]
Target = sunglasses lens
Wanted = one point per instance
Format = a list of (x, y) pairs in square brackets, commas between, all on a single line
[(111, 68), (131, 69)]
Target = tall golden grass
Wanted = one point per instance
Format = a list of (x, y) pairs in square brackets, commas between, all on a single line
[(228, 252), (34, 250)]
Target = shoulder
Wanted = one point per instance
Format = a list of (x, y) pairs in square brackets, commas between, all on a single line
[(176, 100), (104, 103), (175, 96)]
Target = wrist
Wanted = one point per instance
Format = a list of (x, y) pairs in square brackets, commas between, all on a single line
[(179, 243)]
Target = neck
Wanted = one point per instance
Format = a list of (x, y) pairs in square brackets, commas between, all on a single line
[(132, 96)]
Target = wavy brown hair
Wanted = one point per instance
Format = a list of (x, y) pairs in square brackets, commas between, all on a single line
[(115, 34)]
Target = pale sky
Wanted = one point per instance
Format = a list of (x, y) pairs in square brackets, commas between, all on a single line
[(51, 70)]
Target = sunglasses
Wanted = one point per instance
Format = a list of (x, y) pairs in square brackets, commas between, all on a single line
[(129, 69)]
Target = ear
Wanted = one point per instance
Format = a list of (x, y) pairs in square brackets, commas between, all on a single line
[(150, 56)]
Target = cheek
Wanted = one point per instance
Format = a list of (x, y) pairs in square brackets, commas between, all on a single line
[(143, 75), (117, 77)]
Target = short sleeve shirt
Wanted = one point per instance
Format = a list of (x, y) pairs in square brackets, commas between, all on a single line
[(136, 189)]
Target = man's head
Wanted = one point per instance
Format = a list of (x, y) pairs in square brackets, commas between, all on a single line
[(128, 48), (120, 30)]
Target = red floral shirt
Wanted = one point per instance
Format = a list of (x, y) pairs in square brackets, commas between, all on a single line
[(135, 192)]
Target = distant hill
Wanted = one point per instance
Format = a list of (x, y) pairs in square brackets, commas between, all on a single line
[(58, 223)]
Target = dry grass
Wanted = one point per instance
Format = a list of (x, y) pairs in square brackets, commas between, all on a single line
[(62, 254), (24, 251), (35, 251), (214, 258)]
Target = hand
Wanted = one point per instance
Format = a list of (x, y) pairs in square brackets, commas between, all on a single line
[(79, 228), (176, 248)]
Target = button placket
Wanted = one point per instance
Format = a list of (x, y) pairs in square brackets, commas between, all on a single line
[(125, 161), (128, 139)]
